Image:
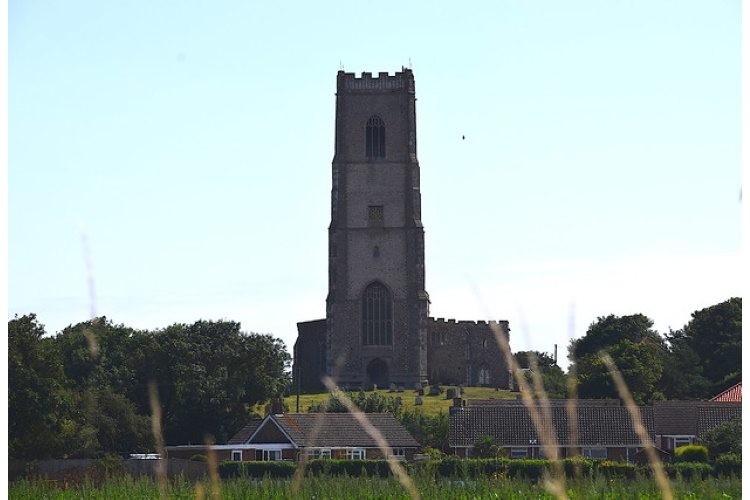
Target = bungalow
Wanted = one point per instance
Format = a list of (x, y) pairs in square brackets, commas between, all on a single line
[(292, 436), (604, 428), (680, 423), (603, 431)]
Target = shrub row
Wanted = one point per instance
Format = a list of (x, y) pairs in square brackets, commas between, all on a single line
[(455, 467), (353, 468), (229, 469), (576, 467)]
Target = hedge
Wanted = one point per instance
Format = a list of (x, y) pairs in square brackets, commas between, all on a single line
[(352, 468), (728, 465), (689, 470), (258, 469)]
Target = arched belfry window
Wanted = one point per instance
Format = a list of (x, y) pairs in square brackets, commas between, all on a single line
[(377, 315), (375, 138)]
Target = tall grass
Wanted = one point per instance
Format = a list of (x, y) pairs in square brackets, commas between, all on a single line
[(322, 487)]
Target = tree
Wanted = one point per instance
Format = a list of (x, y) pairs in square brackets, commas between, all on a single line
[(553, 377), (636, 349), (209, 376), (723, 439), (711, 344), (611, 330), (37, 400)]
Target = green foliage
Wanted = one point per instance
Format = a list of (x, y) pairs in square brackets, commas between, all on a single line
[(715, 335), (39, 407), (273, 469), (352, 468), (346, 487), (689, 470), (691, 453), (430, 430), (728, 465), (611, 330), (616, 470), (639, 364), (724, 438), (83, 392), (486, 447), (198, 458), (553, 377), (368, 403)]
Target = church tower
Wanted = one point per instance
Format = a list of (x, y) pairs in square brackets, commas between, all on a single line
[(377, 306)]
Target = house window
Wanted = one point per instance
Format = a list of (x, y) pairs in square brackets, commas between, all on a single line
[(595, 453), (319, 453), (677, 441), (237, 455), (355, 454), (375, 138), (516, 453), (377, 316), (271, 455), (398, 453)]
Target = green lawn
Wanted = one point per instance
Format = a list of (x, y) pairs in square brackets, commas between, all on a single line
[(431, 405)]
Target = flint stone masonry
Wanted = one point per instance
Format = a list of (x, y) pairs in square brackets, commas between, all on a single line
[(385, 251)]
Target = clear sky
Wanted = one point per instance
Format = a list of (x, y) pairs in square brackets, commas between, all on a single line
[(171, 159)]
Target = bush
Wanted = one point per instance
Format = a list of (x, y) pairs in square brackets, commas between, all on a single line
[(231, 469), (691, 453), (728, 465), (198, 458)]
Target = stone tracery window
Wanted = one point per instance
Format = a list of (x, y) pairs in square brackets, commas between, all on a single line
[(375, 138), (377, 315)]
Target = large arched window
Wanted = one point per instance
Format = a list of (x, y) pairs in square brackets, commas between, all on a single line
[(375, 138), (377, 315)]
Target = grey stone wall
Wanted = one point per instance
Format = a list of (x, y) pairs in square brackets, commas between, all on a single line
[(458, 350)]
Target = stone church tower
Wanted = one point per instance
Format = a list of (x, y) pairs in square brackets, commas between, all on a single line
[(377, 330), (377, 305)]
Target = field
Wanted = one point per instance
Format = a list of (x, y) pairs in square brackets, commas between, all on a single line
[(340, 488), (431, 405)]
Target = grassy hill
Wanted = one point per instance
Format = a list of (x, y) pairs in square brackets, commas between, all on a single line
[(431, 405)]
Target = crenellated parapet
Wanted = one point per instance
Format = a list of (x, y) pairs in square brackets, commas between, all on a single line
[(401, 81), (469, 323)]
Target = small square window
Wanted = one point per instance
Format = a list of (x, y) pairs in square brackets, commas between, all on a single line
[(375, 214), (237, 455)]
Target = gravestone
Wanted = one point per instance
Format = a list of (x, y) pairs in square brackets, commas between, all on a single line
[(418, 401)]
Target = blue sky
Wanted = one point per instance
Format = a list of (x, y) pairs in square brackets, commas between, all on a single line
[(183, 150)]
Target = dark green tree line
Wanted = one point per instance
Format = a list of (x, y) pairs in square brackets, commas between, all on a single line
[(84, 391)]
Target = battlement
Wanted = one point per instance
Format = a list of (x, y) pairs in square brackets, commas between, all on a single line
[(349, 83), (469, 322)]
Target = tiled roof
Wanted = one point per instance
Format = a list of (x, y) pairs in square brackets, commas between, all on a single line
[(563, 402), (338, 429), (712, 414), (245, 432), (692, 418), (511, 425), (733, 394), (675, 418)]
